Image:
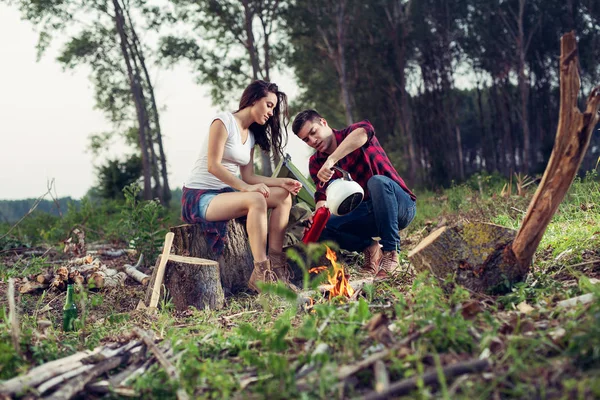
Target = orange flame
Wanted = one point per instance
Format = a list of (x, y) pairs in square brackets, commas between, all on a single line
[(337, 277), (316, 270)]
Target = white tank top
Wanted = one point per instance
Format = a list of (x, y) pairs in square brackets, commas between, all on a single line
[(235, 154)]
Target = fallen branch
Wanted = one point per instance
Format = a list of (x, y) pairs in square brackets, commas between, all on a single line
[(77, 384), (46, 371), (15, 331), (583, 299), (405, 386), (349, 370), (162, 359), (137, 275), (29, 287), (33, 207)]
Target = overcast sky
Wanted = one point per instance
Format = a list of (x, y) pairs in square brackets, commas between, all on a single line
[(47, 115)]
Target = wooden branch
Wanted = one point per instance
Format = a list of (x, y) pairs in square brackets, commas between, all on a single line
[(45, 371), (44, 278), (405, 386), (57, 380), (33, 207), (30, 287), (160, 356), (349, 370), (160, 272), (572, 140), (15, 331), (583, 299), (77, 384), (108, 278), (137, 275)]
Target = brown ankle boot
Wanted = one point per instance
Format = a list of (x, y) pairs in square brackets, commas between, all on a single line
[(262, 272), (389, 264), (282, 269), (372, 259)]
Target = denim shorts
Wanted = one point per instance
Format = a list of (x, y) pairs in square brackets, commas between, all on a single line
[(205, 200)]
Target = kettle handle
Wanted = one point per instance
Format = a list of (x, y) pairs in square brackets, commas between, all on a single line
[(345, 175)]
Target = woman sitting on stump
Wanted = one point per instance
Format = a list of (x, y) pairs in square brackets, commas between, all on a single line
[(214, 194)]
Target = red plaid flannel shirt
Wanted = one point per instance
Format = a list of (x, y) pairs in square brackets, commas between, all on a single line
[(362, 163)]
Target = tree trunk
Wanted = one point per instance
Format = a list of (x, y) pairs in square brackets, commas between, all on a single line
[(192, 281), (572, 139), (523, 87), (464, 252), (482, 256), (136, 93), (235, 264), (137, 47)]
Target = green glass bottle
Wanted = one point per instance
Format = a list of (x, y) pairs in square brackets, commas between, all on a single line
[(69, 311)]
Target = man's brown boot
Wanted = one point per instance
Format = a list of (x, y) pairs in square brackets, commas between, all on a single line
[(389, 264), (282, 269), (262, 272), (372, 259)]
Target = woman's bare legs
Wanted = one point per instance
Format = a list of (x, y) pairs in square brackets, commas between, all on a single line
[(226, 206), (280, 201)]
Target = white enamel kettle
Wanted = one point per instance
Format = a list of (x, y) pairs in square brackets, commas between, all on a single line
[(343, 194)]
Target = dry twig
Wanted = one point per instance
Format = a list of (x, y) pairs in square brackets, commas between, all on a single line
[(430, 378)]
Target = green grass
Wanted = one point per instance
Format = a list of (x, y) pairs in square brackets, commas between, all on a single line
[(267, 347)]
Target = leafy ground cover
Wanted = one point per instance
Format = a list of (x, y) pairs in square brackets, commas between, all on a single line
[(268, 346)]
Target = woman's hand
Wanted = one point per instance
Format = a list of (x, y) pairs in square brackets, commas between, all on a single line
[(260, 188), (291, 185)]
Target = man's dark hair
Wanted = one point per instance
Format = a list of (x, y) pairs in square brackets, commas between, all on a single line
[(302, 118)]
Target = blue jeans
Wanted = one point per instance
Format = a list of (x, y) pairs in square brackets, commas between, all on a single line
[(388, 210)]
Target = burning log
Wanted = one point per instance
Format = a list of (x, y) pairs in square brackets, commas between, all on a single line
[(339, 284), (507, 261)]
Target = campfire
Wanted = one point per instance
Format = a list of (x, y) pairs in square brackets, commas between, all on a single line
[(336, 276)]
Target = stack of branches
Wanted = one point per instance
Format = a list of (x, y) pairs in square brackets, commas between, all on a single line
[(89, 371), (85, 270)]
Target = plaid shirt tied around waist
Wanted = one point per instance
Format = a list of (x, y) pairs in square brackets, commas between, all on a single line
[(214, 231)]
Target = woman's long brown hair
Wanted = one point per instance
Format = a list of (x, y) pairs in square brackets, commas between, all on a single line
[(270, 135)]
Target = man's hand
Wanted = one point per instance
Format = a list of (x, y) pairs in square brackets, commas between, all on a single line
[(260, 188), (326, 171), (291, 185), (320, 203)]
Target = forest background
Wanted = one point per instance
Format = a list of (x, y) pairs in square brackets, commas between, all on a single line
[(454, 88)]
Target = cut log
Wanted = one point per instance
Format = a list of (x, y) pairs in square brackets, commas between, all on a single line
[(30, 287), (191, 281), (448, 251), (236, 262), (107, 278), (45, 277), (137, 275), (464, 252)]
